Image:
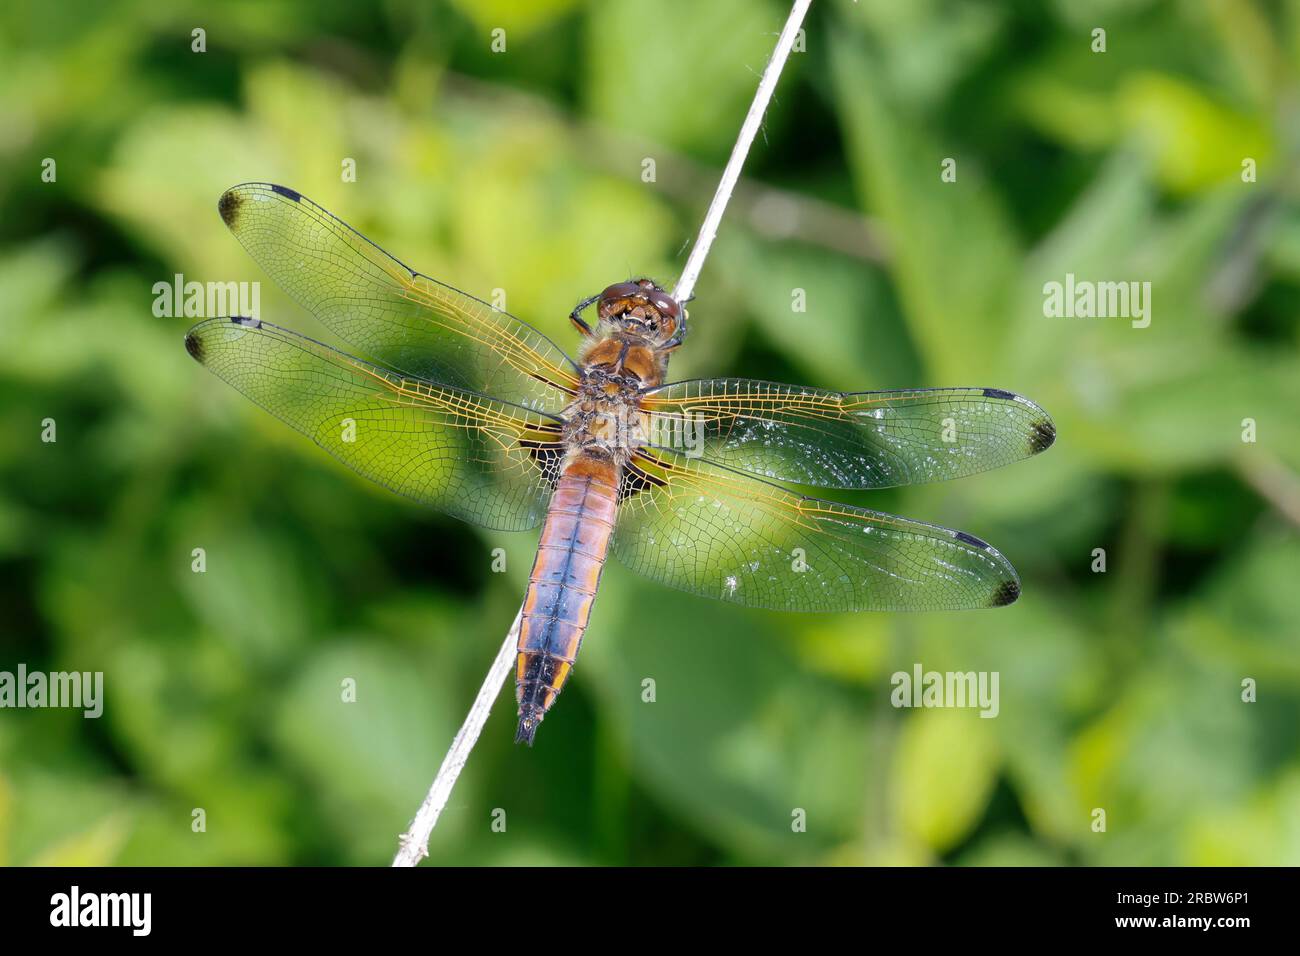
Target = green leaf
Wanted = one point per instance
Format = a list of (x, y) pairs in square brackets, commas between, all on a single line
[(6, 818), (1263, 831), (649, 69), (370, 760), (943, 772), (839, 300), (519, 20), (953, 253), (738, 739), (1195, 143), (97, 845)]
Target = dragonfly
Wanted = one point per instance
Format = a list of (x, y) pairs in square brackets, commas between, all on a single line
[(464, 407)]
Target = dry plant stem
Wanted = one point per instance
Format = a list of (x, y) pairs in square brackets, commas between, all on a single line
[(414, 843), (731, 174), (769, 211), (1274, 481)]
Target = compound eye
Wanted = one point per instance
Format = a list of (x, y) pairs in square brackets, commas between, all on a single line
[(666, 305), (622, 290)]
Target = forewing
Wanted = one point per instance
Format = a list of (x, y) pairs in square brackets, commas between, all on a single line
[(390, 312), (475, 458), (712, 531), (848, 439)]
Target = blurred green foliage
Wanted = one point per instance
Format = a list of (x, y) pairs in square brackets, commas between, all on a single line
[(522, 171)]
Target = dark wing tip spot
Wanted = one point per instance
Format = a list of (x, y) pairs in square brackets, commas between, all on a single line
[(287, 193), (229, 205), (194, 345), (1006, 593), (971, 540), (1042, 435), (999, 393)]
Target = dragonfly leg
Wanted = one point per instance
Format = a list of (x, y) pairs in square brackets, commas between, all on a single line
[(576, 315)]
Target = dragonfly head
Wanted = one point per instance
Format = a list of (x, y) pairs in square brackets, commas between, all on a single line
[(642, 307)]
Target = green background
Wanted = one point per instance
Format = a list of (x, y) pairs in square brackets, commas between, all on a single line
[(522, 171)]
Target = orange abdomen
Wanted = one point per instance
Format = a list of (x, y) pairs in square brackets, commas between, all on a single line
[(562, 587)]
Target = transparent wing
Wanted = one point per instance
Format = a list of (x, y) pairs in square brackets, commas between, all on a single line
[(848, 439), (387, 310), (481, 460), (712, 531)]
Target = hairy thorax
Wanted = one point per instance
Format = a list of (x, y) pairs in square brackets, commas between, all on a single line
[(604, 421)]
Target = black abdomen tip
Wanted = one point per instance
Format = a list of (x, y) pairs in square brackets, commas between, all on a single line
[(1006, 593), (194, 345), (228, 205), (527, 729), (1041, 436)]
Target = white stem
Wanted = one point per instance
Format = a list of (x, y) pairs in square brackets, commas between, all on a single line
[(415, 841), (731, 175)]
